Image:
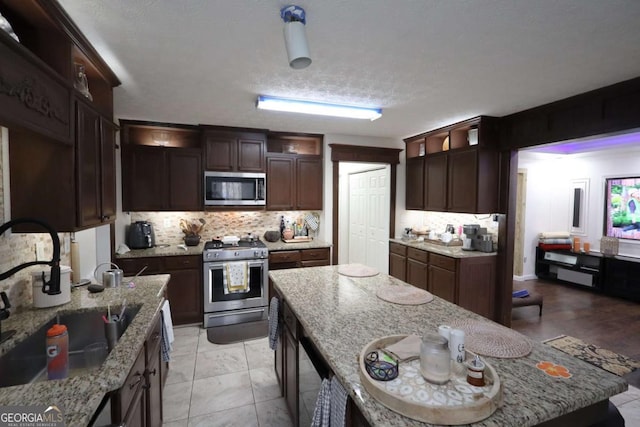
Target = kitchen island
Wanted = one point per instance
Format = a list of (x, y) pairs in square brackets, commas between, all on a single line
[(79, 397), (341, 314)]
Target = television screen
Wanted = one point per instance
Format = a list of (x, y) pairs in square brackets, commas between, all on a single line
[(622, 212)]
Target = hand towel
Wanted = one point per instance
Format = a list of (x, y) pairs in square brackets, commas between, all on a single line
[(549, 241), (554, 235), (322, 411), (235, 278), (273, 322), (339, 398), (166, 332)]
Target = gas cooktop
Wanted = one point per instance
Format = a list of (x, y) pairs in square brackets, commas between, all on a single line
[(250, 248)]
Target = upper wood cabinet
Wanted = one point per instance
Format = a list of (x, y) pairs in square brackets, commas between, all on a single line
[(460, 168), (232, 150), (95, 159), (161, 167), (294, 171)]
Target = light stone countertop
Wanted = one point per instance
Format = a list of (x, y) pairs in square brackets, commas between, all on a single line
[(79, 397), (283, 246), (450, 251), (342, 314)]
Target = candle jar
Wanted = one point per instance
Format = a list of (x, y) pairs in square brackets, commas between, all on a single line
[(475, 372), (435, 360)]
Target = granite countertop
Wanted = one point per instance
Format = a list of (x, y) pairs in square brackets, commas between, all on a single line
[(80, 396), (163, 250), (283, 246), (342, 314), (451, 251)]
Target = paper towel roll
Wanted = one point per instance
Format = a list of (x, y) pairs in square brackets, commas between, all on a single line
[(445, 331), (75, 262), (456, 345)]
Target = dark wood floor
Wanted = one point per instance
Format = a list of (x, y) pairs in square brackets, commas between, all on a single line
[(608, 322)]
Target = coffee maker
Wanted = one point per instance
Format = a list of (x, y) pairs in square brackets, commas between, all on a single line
[(470, 232)]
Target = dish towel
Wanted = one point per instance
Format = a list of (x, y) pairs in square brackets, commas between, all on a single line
[(331, 406), (235, 278), (273, 322), (166, 332), (322, 412)]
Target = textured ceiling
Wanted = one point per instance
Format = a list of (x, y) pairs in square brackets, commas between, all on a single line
[(426, 63)]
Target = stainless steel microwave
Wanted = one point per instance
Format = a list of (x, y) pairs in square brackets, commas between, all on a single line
[(234, 189)]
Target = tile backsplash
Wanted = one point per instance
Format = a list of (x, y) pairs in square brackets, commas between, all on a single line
[(167, 229)]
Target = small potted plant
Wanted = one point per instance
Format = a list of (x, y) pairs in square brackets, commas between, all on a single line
[(191, 230)]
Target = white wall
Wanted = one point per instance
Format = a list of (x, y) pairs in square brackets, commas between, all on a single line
[(548, 197)]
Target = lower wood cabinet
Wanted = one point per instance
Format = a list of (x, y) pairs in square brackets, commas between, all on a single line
[(280, 260), (468, 282), (184, 290), (139, 401)]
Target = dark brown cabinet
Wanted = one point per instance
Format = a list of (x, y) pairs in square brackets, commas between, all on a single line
[(398, 261), (460, 168), (468, 282), (139, 401), (95, 154), (234, 150), (161, 167), (294, 182), (161, 179), (316, 257), (415, 183), (184, 290), (294, 171)]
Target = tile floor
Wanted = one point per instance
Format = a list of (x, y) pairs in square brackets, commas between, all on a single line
[(229, 385), (211, 385)]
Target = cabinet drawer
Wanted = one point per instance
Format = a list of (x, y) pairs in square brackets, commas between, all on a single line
[(284, 256), (182, 262), (131, 266), (315, 263), (418, 255), (314, 254), (290, 320), (134, 381), (397, 248), (152, 343), (442, 262)]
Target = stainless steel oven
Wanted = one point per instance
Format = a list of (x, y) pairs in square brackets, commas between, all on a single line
[(236, 283)]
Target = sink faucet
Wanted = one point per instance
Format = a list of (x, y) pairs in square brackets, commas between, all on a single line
[(52, 287)]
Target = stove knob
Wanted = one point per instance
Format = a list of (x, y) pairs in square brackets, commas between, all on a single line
[(236, 253)]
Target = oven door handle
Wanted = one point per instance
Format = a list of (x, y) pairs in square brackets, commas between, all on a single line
[(257, 310)]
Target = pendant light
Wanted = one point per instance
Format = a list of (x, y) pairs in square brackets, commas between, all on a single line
[(295, 38)]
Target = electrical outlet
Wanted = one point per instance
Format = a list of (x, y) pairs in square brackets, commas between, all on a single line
[(167, 223), (40, 251)]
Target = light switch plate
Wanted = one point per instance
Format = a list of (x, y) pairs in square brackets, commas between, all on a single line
[(167, 223), (40, 251)]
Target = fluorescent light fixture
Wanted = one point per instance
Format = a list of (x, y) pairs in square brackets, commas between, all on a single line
[(319, 108)]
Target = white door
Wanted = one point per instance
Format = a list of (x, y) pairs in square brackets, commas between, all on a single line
[(369, 197)]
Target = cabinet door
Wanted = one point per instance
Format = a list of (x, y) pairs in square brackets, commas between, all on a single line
[(463, 181), (220, 151), (108, 170), (185, 295), (251, 152), (308, 184), (88, 165), (435, 183), (291, 375), (415, 183), (280, 183), (397, 266), (143, 178), (417, 273), (279, 356), (442, 283), (185, 180), (154, 390), (476, 285), (136, 415)]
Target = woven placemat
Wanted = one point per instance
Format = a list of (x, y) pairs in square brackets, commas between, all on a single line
[(357, 270), (404, 294), (492, 339)]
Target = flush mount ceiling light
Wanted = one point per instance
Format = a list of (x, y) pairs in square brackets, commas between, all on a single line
[(294, 36), (319, 108)]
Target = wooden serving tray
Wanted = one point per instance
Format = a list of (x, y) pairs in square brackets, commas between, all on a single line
[(454, 403)]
